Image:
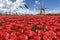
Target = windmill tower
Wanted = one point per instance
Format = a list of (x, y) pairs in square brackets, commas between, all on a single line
[(42, 10)]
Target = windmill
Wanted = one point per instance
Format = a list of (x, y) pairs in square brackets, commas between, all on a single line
[(42, 10)]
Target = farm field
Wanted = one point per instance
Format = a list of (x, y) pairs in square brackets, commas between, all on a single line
[(29, 27)]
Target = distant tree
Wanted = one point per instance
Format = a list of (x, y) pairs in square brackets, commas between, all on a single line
[(0, 13)]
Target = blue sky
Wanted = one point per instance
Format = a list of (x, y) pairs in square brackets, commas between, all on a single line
[(53, 6)]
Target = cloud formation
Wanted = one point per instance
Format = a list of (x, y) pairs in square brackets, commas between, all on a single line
[(56, 10), (37, 2), (18, 6)]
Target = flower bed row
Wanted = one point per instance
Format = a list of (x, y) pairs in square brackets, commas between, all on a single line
[(30, 28)]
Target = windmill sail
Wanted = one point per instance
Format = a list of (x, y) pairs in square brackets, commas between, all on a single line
[(26, 6)]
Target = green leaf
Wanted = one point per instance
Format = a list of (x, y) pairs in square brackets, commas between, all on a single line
[(44, 29), (34, 28)]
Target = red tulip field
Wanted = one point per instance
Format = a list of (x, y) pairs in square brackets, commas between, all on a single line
[(29, 27)]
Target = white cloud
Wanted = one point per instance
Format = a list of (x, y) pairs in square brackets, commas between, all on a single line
[(56, 10), (34, 5), (37, 2), (1, 5), (14, 7)]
